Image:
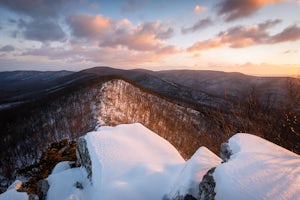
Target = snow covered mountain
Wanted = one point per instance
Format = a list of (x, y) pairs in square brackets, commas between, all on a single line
[(67, 105), (132, 162)]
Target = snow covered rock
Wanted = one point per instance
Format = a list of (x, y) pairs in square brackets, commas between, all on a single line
[(129, 162), (192, 173), (62, 166), (13, 194), (257, 169)]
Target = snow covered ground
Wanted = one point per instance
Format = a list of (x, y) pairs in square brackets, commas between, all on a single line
[(258, 169), (12, 194), (132, 162)]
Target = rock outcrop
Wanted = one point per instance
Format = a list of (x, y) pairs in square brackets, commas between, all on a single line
[(83, 156), (43, 187), (225, 152), (207, 186)]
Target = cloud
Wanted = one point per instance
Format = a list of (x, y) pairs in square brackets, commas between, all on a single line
[(201, 24), (40, 8), (94, 55), (7, 48), (291, 33), (206, 45), (39, 19), (236, 9), (101, 40), (106, 32), (133, 5), (40, 30), (88, 26), (143, 37), (244, 36), (198, 9)]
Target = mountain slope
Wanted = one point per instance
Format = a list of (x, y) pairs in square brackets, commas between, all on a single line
[(78, 102), (235, 86)]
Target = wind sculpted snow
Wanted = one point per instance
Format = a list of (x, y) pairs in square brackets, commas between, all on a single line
[(131, 162), (258, 169)]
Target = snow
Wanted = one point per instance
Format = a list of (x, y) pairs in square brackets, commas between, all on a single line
[(62, 185), (13, 194), (130, 162), (258, 169), (193, 171), (62, 166)]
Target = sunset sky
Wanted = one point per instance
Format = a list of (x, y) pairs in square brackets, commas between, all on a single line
[(258, 37)]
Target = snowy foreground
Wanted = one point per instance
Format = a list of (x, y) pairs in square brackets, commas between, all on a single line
[(131, 162)]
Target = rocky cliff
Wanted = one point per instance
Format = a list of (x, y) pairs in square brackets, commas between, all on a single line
[(185, 128), (74, 111)]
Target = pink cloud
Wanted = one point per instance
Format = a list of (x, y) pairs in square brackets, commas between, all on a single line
[(143, 37), (106, 32), (88, 26), (235, 9), (244, 36)]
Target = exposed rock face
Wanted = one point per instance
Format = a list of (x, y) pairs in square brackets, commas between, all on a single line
[(185, 128), (43, 187), (83, 156), (225, 152), (207, 186)]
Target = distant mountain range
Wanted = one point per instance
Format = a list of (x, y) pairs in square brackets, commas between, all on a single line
[(190, 86)]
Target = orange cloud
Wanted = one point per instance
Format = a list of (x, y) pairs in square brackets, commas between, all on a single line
[(207, 44), (109, 33), (143, 37), (244, 36)]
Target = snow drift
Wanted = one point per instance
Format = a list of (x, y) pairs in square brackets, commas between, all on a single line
[(257, 169), (131, 162)]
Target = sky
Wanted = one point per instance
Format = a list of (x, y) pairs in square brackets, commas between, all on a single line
[(256, 37)]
